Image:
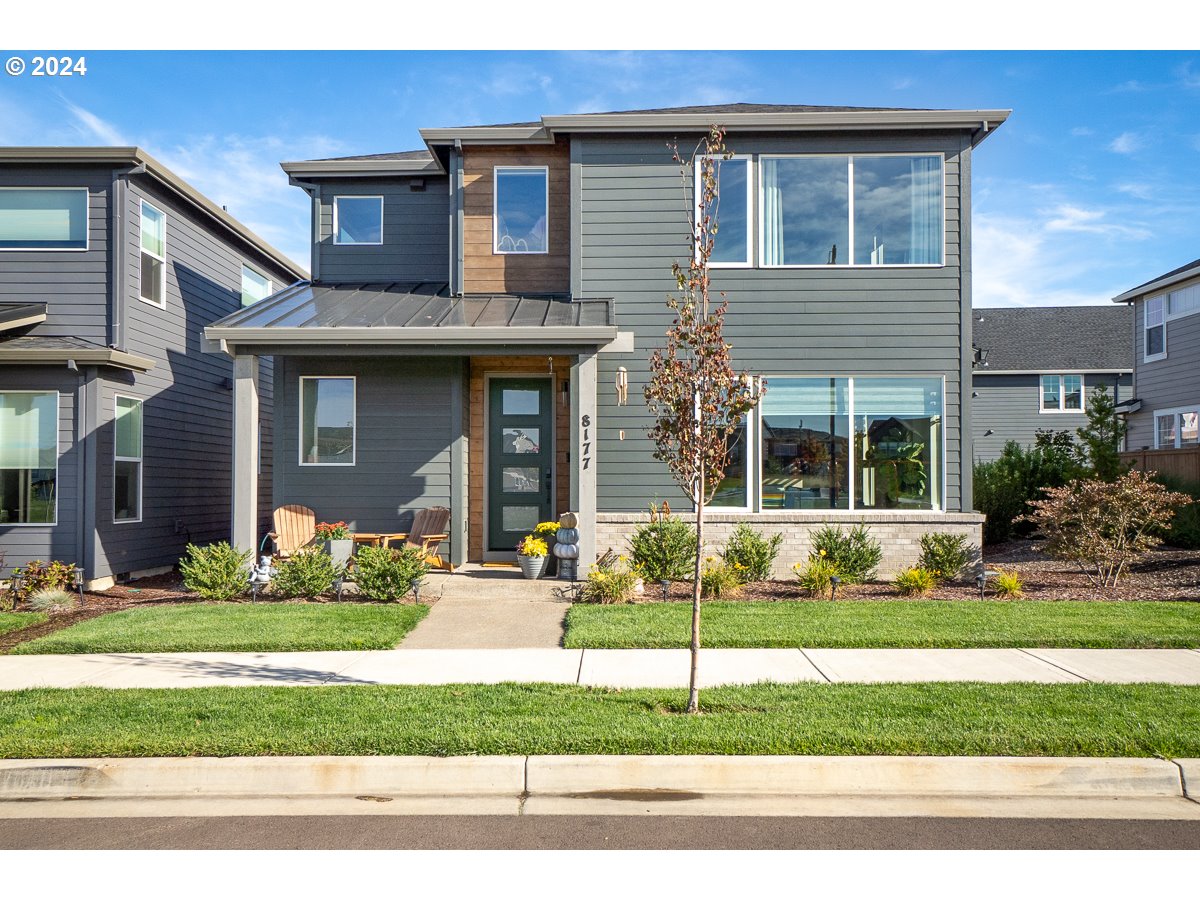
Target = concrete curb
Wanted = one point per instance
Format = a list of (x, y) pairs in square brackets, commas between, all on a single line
[(602, 777)]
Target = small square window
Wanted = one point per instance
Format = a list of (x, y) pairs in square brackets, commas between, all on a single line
[(521, 209), (255, 286), (358, 220), (327, 421)]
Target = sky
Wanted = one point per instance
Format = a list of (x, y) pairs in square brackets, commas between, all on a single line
[(1089, 189)]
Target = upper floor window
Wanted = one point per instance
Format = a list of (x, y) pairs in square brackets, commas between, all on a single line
[(358, 220), (327, 421), (43, 218), (1062, 393), (852, 210), (522, 202), (731, 244), (154, 256), (255, 286), (1156, 329), (1183, 302), (28, 457), (127, 461)]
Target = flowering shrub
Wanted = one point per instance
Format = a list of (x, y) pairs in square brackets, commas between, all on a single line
[(1104, 526), (816, 576), (332, 531), (752, 553), (721, 579), (945, 555), (855, 555), (916, 581), (609, 582), (41, 576), (532, 546)]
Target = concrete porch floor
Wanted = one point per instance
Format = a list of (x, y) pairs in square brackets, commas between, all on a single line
[(490, 608)]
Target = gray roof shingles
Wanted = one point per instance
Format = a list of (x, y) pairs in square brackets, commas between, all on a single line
[(1054, 338)]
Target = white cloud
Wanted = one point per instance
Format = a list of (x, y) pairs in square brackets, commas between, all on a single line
[(1136, 189), (91, 126), (900, 84), (1067, 217), (1127, 142), (1082, 131), (1188, 77)]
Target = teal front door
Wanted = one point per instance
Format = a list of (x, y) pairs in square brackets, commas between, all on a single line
[(520, 459)]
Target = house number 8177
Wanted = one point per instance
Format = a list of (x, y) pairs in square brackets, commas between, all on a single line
[(585, 451)]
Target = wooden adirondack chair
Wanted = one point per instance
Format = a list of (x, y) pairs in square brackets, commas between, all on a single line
[(428, 531), (295, 527)]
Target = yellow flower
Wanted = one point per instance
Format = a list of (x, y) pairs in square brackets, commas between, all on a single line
[(822, 552)]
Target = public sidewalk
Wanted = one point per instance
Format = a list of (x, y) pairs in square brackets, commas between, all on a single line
[(608, 668)]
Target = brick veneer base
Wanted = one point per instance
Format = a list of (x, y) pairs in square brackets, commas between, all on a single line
[(899, 534)]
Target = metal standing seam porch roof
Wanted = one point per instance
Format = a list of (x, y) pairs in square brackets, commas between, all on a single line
[(411, 314)]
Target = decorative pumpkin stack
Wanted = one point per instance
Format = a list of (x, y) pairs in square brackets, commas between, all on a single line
[(566, 547)]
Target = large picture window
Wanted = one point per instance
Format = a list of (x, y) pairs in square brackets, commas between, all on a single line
[(522, 202), (154, 255), (43, 218), (327, 421), (127, 461), (852, 210), (806, 444), (898, 443), (28, 457)]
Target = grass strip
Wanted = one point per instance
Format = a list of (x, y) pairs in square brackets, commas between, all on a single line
[(11, 621), (840, 719), (201, 627), (889, 623)]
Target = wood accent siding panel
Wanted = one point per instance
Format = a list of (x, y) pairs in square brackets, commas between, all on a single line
[(481, 366), (484, 270), (416, 232), (1164, 383), (783, 322)]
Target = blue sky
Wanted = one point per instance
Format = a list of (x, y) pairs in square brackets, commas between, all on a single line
[(1089, 189)]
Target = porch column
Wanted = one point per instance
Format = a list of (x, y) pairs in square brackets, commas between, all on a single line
[(245, 453), (583, 455)]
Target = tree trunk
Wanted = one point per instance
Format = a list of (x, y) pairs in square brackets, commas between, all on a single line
[(693, 684)]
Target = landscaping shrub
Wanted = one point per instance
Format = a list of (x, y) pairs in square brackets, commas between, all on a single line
[(1184, 530), (1100, 440), (665, 548), (215, 572), (855, 555), (1104, 526), (51, 598), (1009, 584), (308, 574), (44, 576), (945, 555), (816, 576), (614, 581), (916, 582), (387, 573), (720, 579), (1004, 486), (752, 552)]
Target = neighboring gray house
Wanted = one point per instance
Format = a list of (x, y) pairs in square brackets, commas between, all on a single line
[(115, 429), (1165, 408), (475, 305), (1036, 367)]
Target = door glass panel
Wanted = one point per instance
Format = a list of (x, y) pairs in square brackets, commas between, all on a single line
[(519, 518), (521, 480), (521, 440), (520, 403)]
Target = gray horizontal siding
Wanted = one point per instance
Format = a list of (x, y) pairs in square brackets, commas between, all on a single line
[(74, 283), (416, 233), (1165, 383), (1009, 406), (782, 322)]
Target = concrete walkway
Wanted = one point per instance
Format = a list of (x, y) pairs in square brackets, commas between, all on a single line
[(609, 668)]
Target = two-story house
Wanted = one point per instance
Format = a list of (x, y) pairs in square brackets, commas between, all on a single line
[(1165, 409), (115, 429), (477, 327), (1037, 368)]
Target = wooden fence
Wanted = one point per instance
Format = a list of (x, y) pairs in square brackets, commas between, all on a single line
[(1183, 463)]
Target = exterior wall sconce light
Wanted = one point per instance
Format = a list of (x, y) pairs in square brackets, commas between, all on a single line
[(622, 386)]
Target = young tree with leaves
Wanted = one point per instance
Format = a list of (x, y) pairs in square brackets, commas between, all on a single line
[(697, 398)]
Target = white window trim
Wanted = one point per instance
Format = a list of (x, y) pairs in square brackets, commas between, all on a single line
[(267, 278), (57, 459), (750, 212), (378, 243), (1175, 412), (496, 170), (1062, 394), (1147, 357), (850, 157), (140, 460), (87, 231), (162, 259), (353, 379)]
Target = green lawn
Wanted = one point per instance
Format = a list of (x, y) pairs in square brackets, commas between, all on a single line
[(889, 623), (841, 719), (235, 626), (11, 621)]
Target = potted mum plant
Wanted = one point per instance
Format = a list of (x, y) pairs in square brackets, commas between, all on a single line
[(337, 541), (531, 554)]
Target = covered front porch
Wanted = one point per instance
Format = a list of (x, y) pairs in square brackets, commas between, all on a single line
[(389, 399)]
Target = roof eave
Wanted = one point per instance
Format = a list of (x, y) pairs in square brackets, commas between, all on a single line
[(118, 359), (583, 335), (1152, 286), (371, 168)]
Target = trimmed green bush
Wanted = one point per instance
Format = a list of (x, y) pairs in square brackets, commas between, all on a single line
[(308, 574), (855, 554), (665, 548), (387, 573), (945, 555), (751, 551), (1004, 486), (216, 572)]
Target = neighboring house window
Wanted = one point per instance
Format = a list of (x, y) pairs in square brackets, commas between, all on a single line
[(127, 464), (731, 244), (154, 256), (1183, 302), (521, 213), (1177, 427), (852, 443), (28, 457), (43, 218), (851, 210), (255, 286), (358, 220), (1062, 393), (1156, 329), (327, 421)]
